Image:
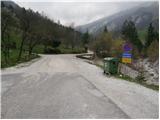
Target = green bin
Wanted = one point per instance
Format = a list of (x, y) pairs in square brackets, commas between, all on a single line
[(111, 65)]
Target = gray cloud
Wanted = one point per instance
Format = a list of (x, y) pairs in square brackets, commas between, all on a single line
[(78, 13)]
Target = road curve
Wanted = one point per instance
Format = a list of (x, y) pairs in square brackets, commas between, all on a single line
[(63, 86)]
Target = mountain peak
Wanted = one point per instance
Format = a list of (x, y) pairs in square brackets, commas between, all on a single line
[(142, 15)]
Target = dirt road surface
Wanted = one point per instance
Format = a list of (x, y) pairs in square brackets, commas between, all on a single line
[(63, 86)]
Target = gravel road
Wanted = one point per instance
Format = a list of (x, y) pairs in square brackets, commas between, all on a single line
[(63, 86)]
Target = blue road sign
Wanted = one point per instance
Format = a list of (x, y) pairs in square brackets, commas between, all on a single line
[(126, 55), (127, 47)]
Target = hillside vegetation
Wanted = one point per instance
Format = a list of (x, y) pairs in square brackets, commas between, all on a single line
[(25, 32), (144, 43), (141, 15)]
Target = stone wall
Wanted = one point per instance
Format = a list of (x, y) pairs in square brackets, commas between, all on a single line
[(125, 70), (151, 70)]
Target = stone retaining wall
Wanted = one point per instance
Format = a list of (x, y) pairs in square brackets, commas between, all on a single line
[(125, 70)]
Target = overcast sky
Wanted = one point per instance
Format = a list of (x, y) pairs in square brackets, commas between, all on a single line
[(77, 12)]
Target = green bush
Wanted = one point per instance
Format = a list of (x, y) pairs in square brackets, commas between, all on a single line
[(153, 51), (53, 51), (117, 47), (72, 51), (140, 78), (136, 53), (13, 58), (102, 45)]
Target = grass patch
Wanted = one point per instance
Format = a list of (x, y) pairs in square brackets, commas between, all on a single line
[(143, 83), (101, 66), (39, 49), (142, 35), (127, 78), (12, 61)]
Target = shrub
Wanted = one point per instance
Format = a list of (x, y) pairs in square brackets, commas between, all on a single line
[(102, 45), (52, 51), (56, 43), (153, 51), (135, 52), (117, 48), (140, 77)]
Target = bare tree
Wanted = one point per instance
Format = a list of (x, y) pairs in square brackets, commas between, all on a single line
[(32, 40), (25, 26), (8, 21)]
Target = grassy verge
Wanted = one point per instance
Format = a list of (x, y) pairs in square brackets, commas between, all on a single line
[(143, 83), (12, 61), (127, 78)]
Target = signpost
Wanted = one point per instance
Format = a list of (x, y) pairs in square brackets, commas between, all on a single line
[(126, 56), (127, 47)]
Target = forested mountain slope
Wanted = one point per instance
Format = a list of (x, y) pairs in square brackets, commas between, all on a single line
[(141, 15)]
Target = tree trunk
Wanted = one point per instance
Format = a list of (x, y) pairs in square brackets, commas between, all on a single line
[(72, 45), (30, 52), (5, 56), (8, 54), (45, 47), (21, 47), (6, 60), (8, 46)]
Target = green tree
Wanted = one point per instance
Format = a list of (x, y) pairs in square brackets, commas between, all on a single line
[(25, 26), (105, 29), (32, 29), (8, 22), (102, 45), (153, 51), (32, 40), (56, 43), (85, 39), (130, 33), (151, 35), (2, 4), (117, 47)]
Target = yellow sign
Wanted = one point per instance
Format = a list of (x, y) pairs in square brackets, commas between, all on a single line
[(126, 60)]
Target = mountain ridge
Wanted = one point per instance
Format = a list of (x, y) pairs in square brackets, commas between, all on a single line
[(142, 15)]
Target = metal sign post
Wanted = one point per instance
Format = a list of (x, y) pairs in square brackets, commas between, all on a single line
[(127, 56)]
